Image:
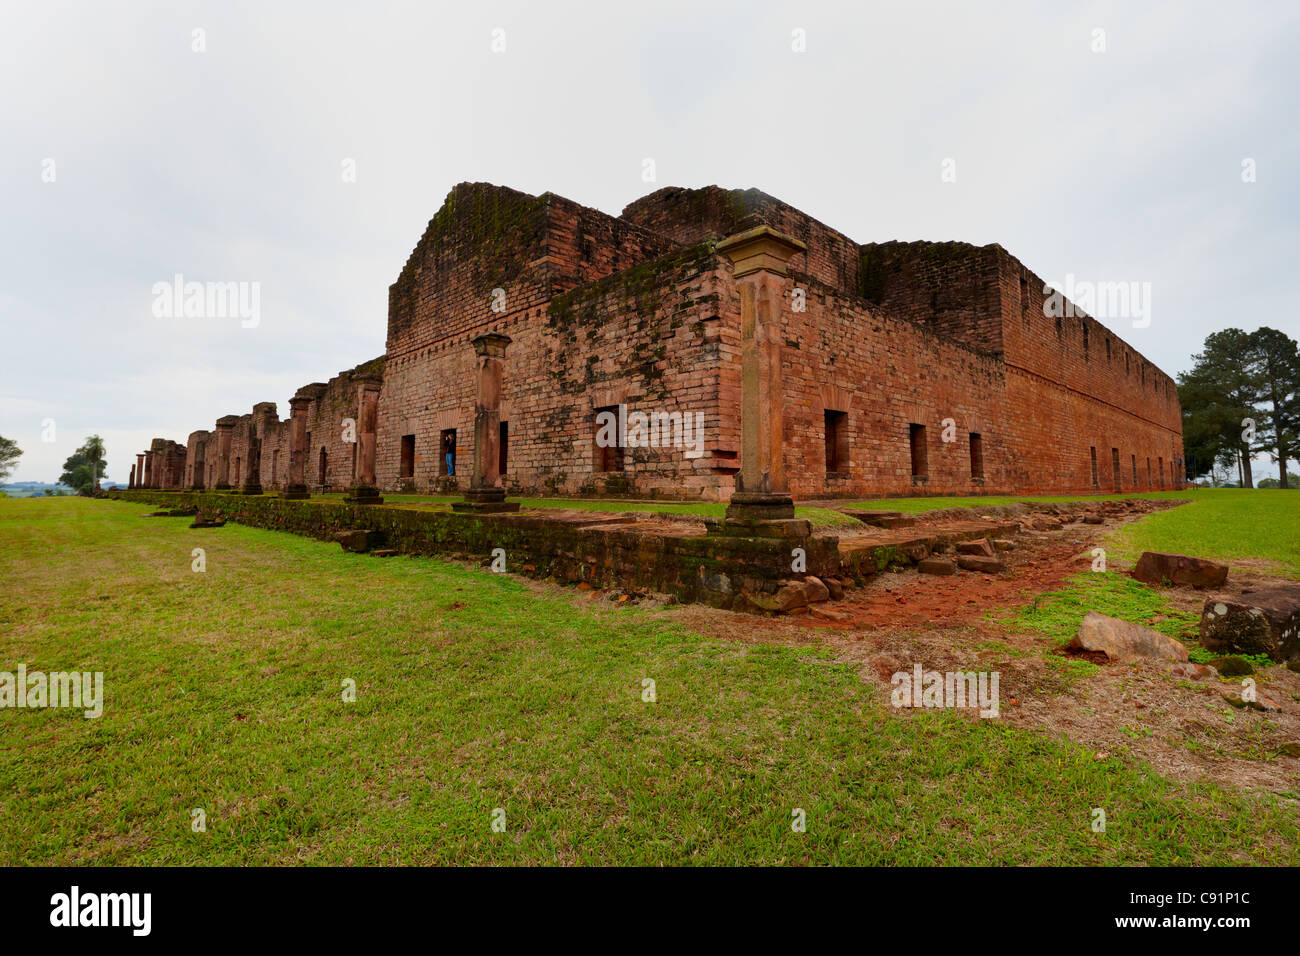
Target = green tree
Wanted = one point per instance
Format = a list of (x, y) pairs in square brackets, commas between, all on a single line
[(1218, 395), (9, 455), (1273, 360), (85, 467)]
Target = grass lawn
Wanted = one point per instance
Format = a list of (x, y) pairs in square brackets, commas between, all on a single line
[(919, 505), (1261, 525), (475, 692)]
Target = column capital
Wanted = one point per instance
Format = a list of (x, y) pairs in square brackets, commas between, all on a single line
[(758, 249), (491, 344)]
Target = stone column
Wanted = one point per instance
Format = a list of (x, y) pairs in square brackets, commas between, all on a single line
[(200, 465), (148, 469), (139, 470), (761, 504), (485, 492), (130, 483), (225, 428), (365, 492), (253, 470), (297, 485)]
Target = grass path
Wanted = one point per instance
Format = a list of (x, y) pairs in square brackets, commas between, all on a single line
[(475, 692)]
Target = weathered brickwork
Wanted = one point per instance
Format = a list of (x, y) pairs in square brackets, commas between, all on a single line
[(907, 367)]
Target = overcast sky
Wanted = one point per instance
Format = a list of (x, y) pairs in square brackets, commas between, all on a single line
[(128, 157)]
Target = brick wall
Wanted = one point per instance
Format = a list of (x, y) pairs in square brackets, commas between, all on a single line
[(638, 311)]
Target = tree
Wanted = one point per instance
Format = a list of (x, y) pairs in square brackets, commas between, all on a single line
[(1273, 361), (1218, 395), (85, 467), (9, 455)]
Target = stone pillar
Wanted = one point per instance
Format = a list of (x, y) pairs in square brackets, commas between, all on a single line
[(139, 470), (485, 492), (253, 470), (365, 492), (200, 466), (225, 428), (297, 485), (148, 469), (761, 504), (130, 483)]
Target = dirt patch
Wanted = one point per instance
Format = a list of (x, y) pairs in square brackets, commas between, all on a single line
[(1145, 711)]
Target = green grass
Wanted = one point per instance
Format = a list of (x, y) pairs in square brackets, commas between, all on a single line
[(919, 505), (1057, 614), (474, 692), (1225, 524)]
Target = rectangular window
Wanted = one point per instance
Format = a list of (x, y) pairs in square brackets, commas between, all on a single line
[(1135, 470), (447, 453), (503, 449), (607, 453), (406, 466), (1114, 467), (1093, 451), (1148, 472), (837, 442), (916, 438), (976, 455)]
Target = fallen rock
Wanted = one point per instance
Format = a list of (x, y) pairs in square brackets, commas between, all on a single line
[(827, 614), (816, 589), (978, 546), (1266, 621), (1232, 666), (1193, 671), (835, 587), (1093, 519), (1004, 544), (1124, 640), (1156, 567), (789, 595), (937, 566), (207, 521), (979, 562), (1260, 703), (383, 553), (360, 540)]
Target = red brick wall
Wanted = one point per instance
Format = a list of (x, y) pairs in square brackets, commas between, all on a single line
[(639, 311)]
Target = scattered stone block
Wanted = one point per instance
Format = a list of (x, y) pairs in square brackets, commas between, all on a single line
[(835, 587), (940, 566), (207, 521), (1266, 621), (980, 562), (1004, 544), (1194, 671), (360, 540), (1156, 567), (383, 553), (978, 546), (827, 614), (1124, 640), (1232, 666), (1093, 519), (789, 595), (816, 589)]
